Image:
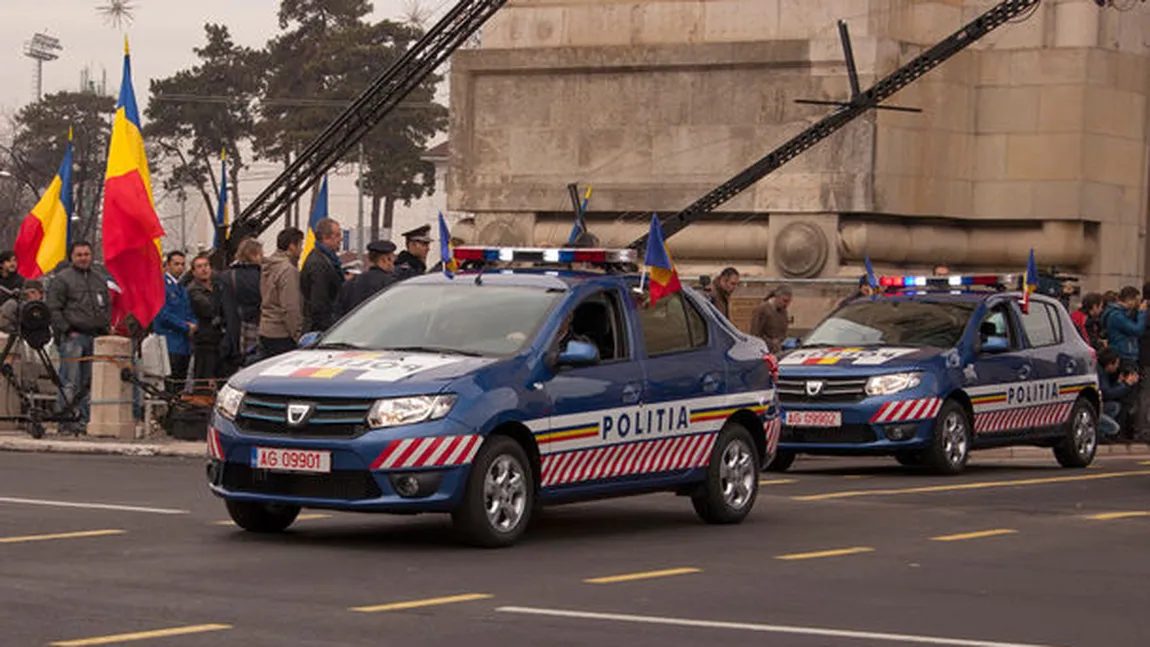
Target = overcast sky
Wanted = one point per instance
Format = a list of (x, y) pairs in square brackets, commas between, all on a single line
[(162, 34)]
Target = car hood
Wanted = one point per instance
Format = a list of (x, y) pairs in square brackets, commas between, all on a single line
[(846, 361), (356, 374)]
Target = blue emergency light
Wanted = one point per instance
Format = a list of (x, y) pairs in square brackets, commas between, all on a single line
[(544, 255)]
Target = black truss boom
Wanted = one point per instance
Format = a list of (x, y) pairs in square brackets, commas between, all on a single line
[(856, 107), (384, 93)]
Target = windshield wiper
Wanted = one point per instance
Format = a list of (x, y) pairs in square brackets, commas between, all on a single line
[(341, 345), (434, 349)]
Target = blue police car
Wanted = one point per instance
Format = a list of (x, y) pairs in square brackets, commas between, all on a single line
[(487, 395), (935, 368)]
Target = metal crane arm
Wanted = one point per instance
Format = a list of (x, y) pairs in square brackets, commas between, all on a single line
[(859, 104)]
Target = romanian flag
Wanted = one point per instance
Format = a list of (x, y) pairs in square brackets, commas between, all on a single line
[(664, 278), (1029, 282), (132, 230), (318, 213), (222, 209), (43, 239), (446, 249), (871, 279)]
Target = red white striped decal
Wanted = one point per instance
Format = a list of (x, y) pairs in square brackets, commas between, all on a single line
[(920, 409), (215, 450), (1046, 415), (773, 429), (440, 451), (671, 454)]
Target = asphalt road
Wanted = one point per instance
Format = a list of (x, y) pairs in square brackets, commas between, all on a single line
[(835, 554)]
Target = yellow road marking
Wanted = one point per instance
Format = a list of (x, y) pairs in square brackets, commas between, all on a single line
[(1107, 516), (430, 602), (142, 635), (302, 517), (777, 481), (61, 535), (859, 476), (827, 553), (975, 535), (630, 577), (1144, 462), (967, 486)]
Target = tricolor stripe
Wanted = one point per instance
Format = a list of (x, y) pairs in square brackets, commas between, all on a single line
[(726, 411), (992, 398), (318, 373), (902, 410), (431, 451), (1046, 415), (568, 433), (627, 459)]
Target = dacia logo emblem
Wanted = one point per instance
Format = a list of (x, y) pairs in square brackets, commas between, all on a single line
[(814, 387), (298, 413)]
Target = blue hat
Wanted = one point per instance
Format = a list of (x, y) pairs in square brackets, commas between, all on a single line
[(381, 247)]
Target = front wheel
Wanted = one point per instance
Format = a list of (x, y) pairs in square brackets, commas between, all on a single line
[(500, 495), (729, 492), (262, 517), (1077, 449), (950, 448)]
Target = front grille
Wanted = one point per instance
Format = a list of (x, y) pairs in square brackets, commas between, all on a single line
[(849, 434), (266, 415), (347, 484), (834, 389)]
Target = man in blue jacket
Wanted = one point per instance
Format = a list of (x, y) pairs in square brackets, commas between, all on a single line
[(175, 321), (1124, 321)]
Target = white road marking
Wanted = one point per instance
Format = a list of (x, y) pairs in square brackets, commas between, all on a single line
[(764, 628), (93, 506)]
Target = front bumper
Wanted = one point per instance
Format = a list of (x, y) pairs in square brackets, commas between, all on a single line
[(365, 470), (874, 426)]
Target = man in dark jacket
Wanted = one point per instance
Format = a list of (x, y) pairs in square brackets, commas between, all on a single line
[(209, 323), (722, 289), (10, 280), (1117, 385), (322, 277), (81, 310), (379, 275), (413, 260), (1125, 321), (240, 301)]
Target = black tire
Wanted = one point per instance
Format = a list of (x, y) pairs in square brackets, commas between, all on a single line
[(950, 446), (909, 459), (499, 455), (782, 461), (732, 484), (262, 517), (1078, 448)]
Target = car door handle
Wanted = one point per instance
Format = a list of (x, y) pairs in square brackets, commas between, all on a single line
[(1024, 372), (631, 393), (710, 382)]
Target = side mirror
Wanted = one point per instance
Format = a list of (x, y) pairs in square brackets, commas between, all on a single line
[(309, 339), (995, 345), (578, 353), (791, 343)]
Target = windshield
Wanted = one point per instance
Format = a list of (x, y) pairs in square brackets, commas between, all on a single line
[(894, 323), (454, 318)]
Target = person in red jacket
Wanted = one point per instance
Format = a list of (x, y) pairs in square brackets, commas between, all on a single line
[(1086, 320)]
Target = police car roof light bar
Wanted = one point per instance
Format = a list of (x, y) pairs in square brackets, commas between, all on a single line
[(950, 282), (544, 255)]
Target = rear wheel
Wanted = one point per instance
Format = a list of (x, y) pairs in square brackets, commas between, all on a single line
[(1077, 449), (262, 517), (500, 495), (950, 448), (782, 461), (729, 492)]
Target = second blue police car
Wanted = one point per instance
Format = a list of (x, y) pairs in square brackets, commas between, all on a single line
[(936, 368), (486, 395)]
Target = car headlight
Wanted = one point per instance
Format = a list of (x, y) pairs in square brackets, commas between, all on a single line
[(228, 401), (410, 410), (892, 383)]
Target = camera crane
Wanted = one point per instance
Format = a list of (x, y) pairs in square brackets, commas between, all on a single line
[(381, 97), (860, 102)]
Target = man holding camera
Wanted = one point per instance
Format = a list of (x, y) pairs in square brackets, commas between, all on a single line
[(1124, 321), (1118, 384)]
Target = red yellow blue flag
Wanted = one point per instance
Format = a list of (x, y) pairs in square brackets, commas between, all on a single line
[(1029, 282), (131, 229), (222, 208), (664, 277), (446, 249), (318, 213), (43, 238)]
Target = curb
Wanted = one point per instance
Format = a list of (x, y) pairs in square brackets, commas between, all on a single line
[(32, 445)]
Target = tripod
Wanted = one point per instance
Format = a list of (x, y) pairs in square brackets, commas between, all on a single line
[(33, 326)]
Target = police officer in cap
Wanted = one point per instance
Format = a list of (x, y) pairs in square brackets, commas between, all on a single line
[(413, 260), (380, 274)]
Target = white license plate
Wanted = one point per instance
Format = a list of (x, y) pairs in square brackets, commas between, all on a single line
[(290, 460), (814, 418)]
